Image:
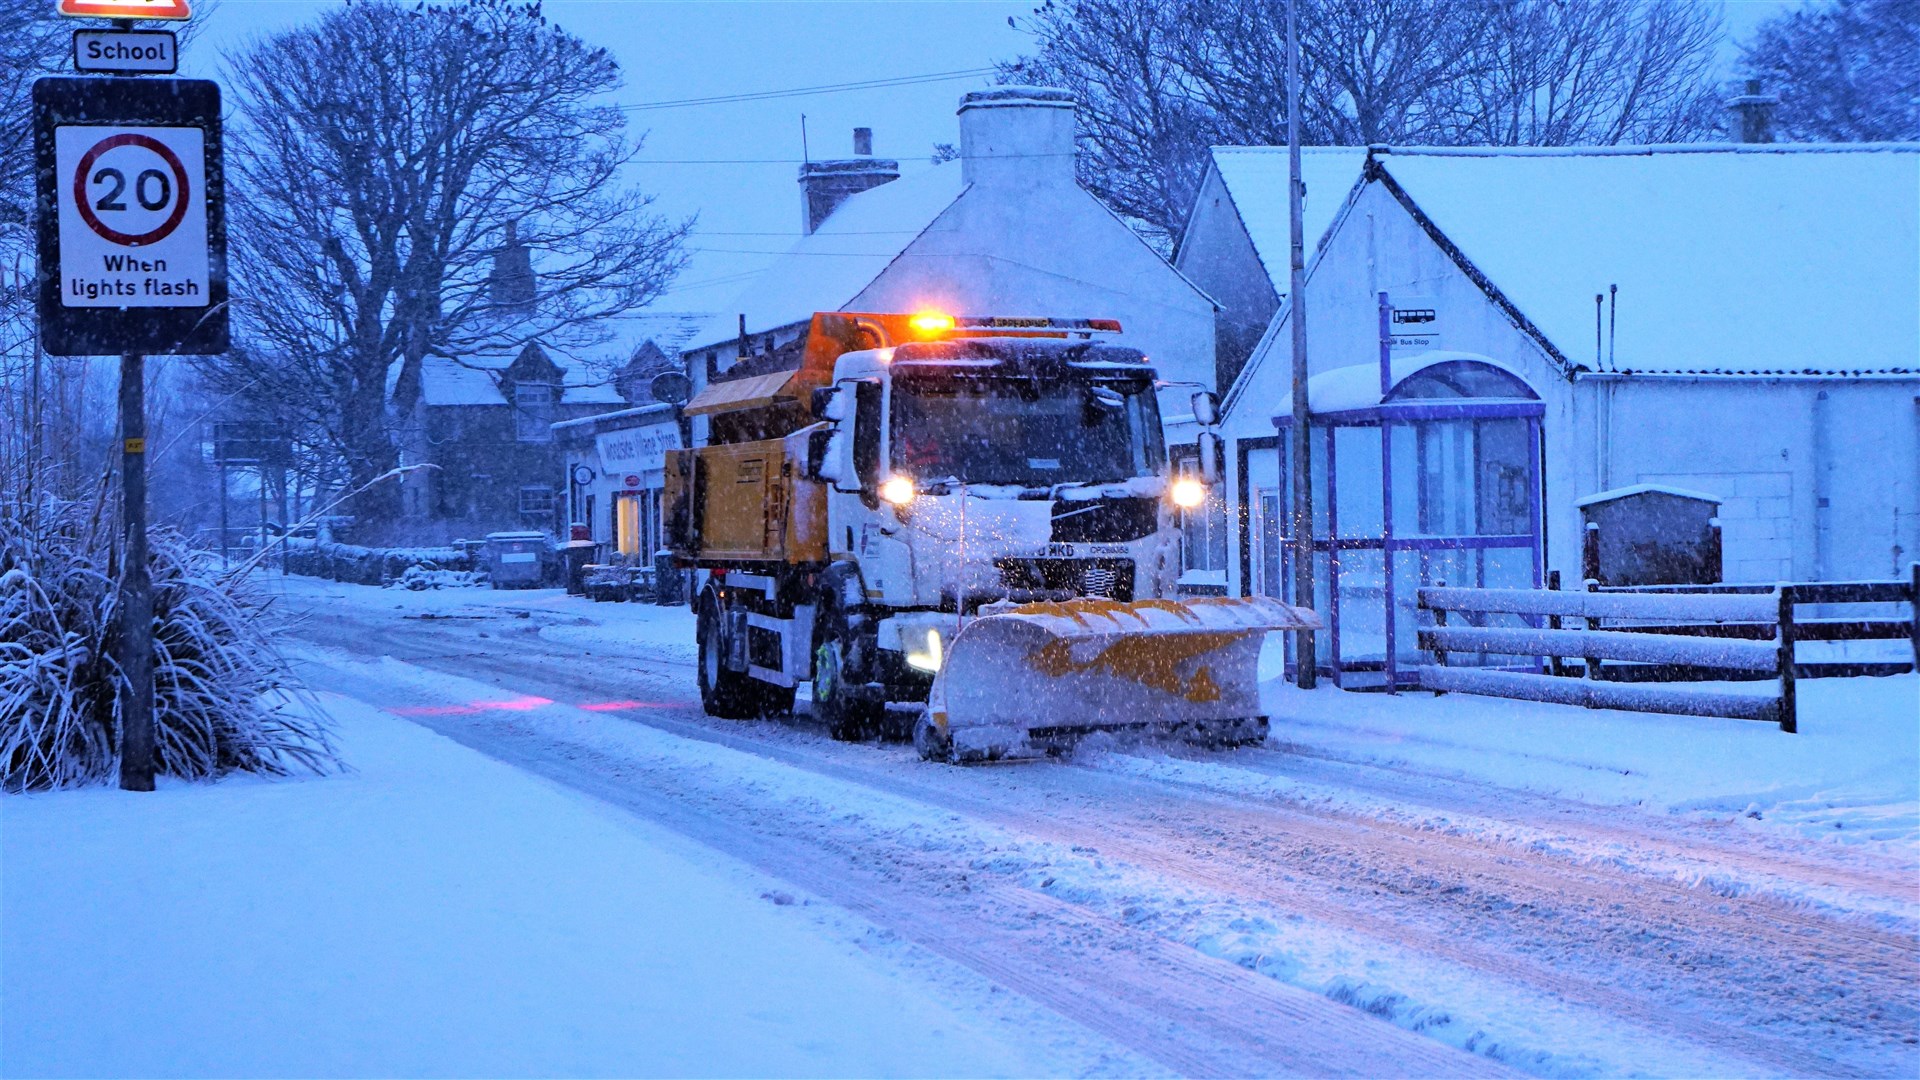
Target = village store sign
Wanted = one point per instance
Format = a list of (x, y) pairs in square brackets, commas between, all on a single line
[(637, 450), (132, 231)]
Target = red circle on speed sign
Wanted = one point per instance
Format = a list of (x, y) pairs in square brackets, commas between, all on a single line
[(180, 186)]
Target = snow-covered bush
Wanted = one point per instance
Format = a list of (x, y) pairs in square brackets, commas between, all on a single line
[(220, 687), (356, 565), (420, 578)]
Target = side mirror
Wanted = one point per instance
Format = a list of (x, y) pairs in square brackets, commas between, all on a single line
[(1212, 453), (1206, 408), (822, 401)]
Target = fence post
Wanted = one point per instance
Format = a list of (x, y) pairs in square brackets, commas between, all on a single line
[(1554, 664), (1915, 598), (1789, 718), (1439, 620), (1592, 624), (1590, 552)]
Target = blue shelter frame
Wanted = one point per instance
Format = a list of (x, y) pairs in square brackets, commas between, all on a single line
[(1427, 471)]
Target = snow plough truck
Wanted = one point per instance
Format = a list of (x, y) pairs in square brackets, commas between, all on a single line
[(977, 513)]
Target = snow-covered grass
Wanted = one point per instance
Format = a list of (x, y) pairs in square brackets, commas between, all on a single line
[(437, 913)]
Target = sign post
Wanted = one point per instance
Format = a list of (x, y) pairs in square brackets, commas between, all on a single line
[(132, 248)]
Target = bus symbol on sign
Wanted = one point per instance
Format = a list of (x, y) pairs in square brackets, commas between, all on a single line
[(132, 218)]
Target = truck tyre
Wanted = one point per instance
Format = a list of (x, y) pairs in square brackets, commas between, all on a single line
[(840, 659), (730, 695)]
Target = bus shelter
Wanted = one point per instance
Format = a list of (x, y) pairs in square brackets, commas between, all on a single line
[(1426, 471)]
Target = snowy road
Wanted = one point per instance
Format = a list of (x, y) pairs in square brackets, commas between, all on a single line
[(1257, 912)]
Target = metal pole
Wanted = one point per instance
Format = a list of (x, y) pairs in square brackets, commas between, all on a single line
[(136, 589), (224, 561), (286, 523), (262, 470), (1306, 670)]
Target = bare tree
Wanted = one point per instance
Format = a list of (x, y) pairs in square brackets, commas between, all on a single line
[(1846, 71), (385, 156), (1159, 82)]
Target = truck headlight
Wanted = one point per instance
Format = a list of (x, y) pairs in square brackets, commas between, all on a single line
[(898, 490), (1188, 493), (929, 660)]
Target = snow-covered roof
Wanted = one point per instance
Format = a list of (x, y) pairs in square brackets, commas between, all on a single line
[(475, 380), (1357, 386), (1643, 489), (825, 270), (669, 330), (586, 370), (1730, 260), (1256, 180)]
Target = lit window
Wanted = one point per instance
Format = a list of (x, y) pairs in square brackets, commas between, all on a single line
[(536, 499), (533, 411)]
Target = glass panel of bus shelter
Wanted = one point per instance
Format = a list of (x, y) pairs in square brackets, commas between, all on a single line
[(1481, 568), (1356, 469), (1318, 460), (1363, 601), (1461, 478)]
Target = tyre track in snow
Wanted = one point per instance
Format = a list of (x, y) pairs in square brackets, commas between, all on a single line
[(1685, 841), (1194, 1014), (1430, 885)]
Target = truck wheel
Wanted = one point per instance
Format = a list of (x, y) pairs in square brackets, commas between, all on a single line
[(839, 679), (730, 695)]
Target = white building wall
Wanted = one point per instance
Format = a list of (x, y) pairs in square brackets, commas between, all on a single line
[(1816, 487), (1218, 255), (1773, 448)]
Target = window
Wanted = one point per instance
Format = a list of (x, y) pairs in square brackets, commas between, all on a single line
[(536, 499), (866, 439), (1205, 527), (533, 411)]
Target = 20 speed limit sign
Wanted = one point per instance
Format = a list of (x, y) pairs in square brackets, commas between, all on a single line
[(133, 216), (132, 238)]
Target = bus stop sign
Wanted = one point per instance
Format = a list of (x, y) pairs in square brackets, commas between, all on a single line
[(132, 232)]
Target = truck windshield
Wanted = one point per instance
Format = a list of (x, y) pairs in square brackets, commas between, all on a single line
[(1024, 431)]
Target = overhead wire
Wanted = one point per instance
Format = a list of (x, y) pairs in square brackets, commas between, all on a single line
[(806, 91)]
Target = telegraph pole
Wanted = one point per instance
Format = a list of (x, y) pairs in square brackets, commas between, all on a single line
[(1306, 666)]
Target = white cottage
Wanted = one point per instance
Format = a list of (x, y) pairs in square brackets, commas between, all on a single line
[(1741, 322), (1003, 230)]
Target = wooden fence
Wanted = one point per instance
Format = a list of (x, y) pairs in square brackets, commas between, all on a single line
[(1659, 641)]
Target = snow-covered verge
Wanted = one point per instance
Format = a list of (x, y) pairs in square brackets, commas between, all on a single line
[(1851, 773), (438, 913)]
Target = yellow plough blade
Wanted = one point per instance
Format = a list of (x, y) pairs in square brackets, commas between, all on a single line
[(1044, 674)]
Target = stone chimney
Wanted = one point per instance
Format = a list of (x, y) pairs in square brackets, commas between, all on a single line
[(511, 284), (1753, 114), (824, 185), (1020, 135)]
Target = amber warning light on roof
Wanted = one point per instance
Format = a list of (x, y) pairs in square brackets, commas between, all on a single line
[(126, 9)]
